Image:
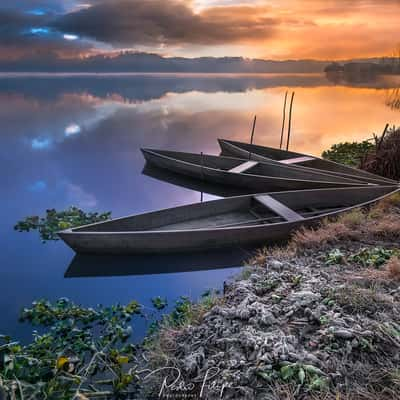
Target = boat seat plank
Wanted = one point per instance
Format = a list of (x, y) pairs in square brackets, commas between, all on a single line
[(278, 208), (243, 167), (296, 160)]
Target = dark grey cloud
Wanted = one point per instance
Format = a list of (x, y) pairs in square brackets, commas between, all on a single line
[(152, 22), (14, 26), (55, 6), (26, 35)]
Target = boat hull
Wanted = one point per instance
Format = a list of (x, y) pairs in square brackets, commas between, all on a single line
[(299, 180), (156, 232), (179, 241), (261, 153)]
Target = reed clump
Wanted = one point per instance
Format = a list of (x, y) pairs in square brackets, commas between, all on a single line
[(383, 158)]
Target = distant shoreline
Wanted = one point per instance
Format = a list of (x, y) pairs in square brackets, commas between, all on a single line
[(62, 74)]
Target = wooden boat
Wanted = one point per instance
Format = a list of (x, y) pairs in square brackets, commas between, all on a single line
[(305, 162), (260, 176), (233, 221)]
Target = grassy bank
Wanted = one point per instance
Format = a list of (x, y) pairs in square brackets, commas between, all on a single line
[(316, 319)]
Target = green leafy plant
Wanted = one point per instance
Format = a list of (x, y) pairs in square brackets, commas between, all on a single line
[(374, 257), (182, 311), (306, 374), (348, 153), (301, 374), (55, 221), (296, 280), (82, 352), (334, 257)]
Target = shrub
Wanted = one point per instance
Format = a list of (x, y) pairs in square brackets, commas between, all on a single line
[(348, 153)]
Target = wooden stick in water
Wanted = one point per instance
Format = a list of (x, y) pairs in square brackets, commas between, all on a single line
[(252, 133), (202, 174), (283, 119), (290, 121)]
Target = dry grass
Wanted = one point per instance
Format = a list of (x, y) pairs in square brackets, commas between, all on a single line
[(371, 278), (387, 227), (393, 268), (326, 233), (390, 202), (353, 219), (278, 252), (281, 391), (356, 300), (347, 226), (163, 343), (379, 222)]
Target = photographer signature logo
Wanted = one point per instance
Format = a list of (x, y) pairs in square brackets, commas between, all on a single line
[(173, 386)]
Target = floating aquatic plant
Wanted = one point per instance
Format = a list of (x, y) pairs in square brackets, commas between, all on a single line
[(159, 303), (55, 221), (82, 352)]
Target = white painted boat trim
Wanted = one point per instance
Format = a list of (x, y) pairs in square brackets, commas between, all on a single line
[(278, 208), (243, 167), (297, 160)]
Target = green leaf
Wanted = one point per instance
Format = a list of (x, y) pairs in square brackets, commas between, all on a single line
[(122, 360), (302, 375), (287, 372), (159, 303), (265, 375), (312, 369), (318, 383)]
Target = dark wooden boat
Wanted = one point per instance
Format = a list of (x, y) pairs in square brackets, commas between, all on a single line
[(254, 175), (233, 221), (305, 162)]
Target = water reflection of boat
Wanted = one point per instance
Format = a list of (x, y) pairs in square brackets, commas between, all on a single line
[(246, 173), (230, 222), (303, 161), (192, 183), (86, 265)]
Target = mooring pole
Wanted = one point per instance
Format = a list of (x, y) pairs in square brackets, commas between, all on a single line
[(202, 175), (290, 122), (252, 133), (283, 119)]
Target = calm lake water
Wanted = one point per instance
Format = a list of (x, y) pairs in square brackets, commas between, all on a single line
[(75, 140)]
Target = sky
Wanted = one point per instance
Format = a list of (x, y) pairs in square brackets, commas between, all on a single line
[(268, 29)]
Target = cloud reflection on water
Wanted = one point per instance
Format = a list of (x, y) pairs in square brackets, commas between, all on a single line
[(88, 131)]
